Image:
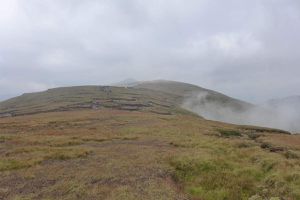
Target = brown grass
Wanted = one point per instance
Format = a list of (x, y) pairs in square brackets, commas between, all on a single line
[(113, 154)]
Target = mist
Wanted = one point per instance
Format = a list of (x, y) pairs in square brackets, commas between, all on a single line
[(281, 114)]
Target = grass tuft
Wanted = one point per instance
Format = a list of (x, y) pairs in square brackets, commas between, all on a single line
[(9, 164), (229, 133)]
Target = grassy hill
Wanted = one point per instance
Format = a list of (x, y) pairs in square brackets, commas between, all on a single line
[(157, 96), (282, 114), (90, 97), (189, 91), (119, 143)]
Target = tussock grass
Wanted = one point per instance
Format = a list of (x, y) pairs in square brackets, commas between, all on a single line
[(109, 154), (220, 179), (4, 138), (229, 133), (263, 130), (30, 156), (292, 154), (9, 164), (216, 179), (63, 154)]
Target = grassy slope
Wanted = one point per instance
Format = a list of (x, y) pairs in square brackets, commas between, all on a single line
[(117, 154), (157, 95), (186, 90), (82, 97), (158, 151)]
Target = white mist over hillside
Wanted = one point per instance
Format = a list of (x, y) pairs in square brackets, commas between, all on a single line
[(274, 114)]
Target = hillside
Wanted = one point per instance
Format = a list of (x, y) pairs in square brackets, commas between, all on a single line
[(192, 92), (127, 143), (90, 97), (281, 113), (123, 155), (210, 104), (156, 95)]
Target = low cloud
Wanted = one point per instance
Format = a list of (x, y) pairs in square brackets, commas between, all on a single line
[(274, 114)]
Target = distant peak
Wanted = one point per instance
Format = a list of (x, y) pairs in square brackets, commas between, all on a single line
[(126, 83)]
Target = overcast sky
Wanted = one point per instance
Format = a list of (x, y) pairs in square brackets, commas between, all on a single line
[(246, 49)]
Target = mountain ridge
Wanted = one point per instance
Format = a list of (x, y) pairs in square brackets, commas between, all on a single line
[(174, 93), (158, 96)]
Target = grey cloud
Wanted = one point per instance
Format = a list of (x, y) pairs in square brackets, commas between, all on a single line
[(246, 49)]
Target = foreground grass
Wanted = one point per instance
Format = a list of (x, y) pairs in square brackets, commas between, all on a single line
[(233, 178), (110, 154)]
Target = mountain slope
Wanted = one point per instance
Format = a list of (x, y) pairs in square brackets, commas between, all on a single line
[(192, 92), (153, 95), (90, 97), (281, 114), (122, 155), (97, 148), (164, 97), (207, 103)]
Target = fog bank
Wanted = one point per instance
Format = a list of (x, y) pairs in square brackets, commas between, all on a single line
[(281, 114)]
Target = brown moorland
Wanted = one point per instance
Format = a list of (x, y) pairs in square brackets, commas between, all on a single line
[(117, 154), (100, 142)]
